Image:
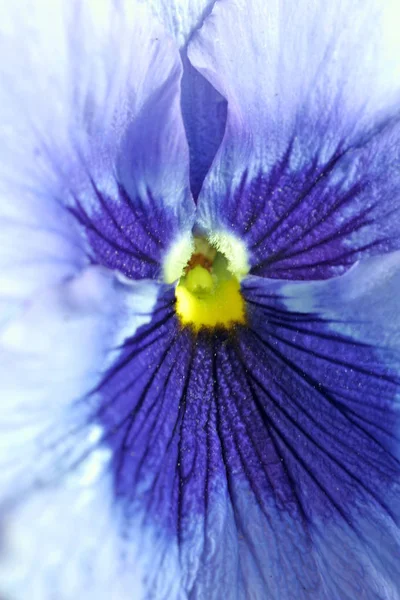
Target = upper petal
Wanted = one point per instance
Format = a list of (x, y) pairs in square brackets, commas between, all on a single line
[(94, 159), (307, 172)]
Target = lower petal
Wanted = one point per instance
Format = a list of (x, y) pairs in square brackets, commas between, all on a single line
[(322, 361), (265, 458)]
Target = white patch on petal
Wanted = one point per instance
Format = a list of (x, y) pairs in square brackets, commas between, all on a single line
[(177, 258), (64, 542), (62, 528), (235, 251), (140, 299), (50, 358)]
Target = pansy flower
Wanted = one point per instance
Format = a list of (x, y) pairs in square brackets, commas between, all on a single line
[(199, 293)]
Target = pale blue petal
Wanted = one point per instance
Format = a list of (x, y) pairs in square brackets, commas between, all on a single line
[(94, 160), (55, 482), (62, 541), (52, 354)]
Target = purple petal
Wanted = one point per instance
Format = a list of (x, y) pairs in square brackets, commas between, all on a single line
[(266, 457), (307, 173), (260, 461)]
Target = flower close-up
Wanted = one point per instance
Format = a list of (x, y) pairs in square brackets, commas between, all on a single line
[(200, 300)]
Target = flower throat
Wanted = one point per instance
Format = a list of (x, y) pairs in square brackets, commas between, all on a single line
[(208, 293)]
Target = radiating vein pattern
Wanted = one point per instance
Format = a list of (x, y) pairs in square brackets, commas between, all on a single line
[(124, 233), (314, 220), (284, 415)]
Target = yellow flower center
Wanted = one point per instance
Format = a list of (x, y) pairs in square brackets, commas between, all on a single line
[(208, 293)]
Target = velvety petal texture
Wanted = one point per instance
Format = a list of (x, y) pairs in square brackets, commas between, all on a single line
[(333, 361), (267, 457), (307, 173)]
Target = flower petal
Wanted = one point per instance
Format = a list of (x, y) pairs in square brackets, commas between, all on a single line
[(308, 170), (323, 361), (267, 457), (63, 542), (91, 121)]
